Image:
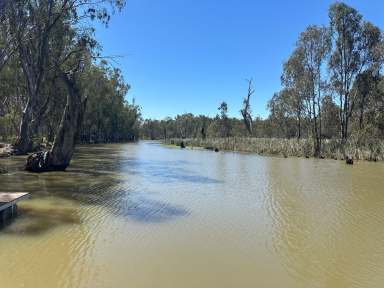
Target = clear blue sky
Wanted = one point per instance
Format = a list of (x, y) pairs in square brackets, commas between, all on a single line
[(189, 55)]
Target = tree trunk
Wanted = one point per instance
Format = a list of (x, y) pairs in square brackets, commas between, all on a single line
[(298, 116), (59, 157), (203, 133), (23, 142), (33, 68), (248, 124)]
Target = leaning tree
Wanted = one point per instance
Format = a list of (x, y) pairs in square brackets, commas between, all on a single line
[(33, 25), (70, 50)]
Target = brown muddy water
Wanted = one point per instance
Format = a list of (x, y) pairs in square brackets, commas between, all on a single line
[(143, 215)]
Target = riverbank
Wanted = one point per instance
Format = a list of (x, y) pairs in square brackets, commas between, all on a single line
[(331, 149)]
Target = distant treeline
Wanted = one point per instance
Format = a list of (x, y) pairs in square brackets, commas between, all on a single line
[(108, 117), (332, 88), (199, 126)]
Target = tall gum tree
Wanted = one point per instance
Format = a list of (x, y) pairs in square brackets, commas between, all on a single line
[(33, 24), (71, 51), (294, 81), (315, 43), (355, 47)]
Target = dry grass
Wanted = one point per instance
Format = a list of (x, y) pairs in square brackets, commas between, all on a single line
[(373, 151)]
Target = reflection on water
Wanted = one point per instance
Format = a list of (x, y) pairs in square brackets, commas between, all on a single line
[(141, 215)]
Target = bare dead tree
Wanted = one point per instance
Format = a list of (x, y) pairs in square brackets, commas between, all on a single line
[(246, 111)]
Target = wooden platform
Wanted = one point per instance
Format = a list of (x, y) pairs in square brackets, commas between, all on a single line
[(8, 205)]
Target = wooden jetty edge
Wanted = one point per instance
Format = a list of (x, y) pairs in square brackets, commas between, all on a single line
[(8, 205)]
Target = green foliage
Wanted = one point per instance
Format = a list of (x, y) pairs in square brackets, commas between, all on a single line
[(108, 116), (41, 41), (340, 101)]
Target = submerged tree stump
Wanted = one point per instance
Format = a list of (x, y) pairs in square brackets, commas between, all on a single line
[(349, 160), (38, 162)]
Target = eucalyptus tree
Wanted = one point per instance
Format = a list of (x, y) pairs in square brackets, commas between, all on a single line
[(365, 86), (225, 125), (355, 49), (303, 80), (77, 59), (369, 113), (165, 125), (108, 117), (246, 111), (10, 96), (280, 113), (329, 118), (70, 53), (203, 124), (294, 80), (33, 25), (315, 43), (7, 41)]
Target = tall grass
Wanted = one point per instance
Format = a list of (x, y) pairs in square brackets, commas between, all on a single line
[(331, 148)]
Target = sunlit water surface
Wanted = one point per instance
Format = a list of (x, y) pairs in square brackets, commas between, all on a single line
[(142, 215)]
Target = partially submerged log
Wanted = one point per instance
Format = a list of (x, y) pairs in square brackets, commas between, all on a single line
[(39, 162), (212, 148)]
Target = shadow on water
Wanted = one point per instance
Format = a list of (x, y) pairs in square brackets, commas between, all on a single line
[(121, 201), (103, 177), (34, 221), (113, 196), (151, 211)]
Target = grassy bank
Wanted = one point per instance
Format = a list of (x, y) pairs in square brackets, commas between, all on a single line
[(332, 149)]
